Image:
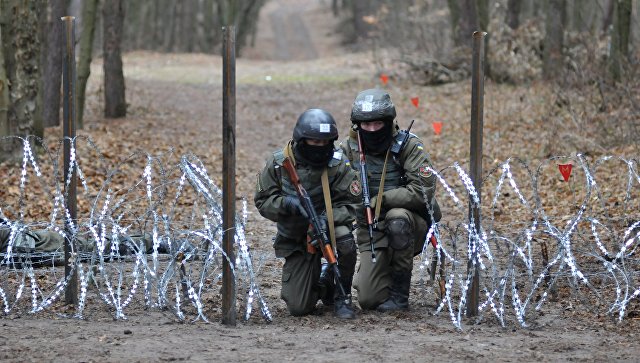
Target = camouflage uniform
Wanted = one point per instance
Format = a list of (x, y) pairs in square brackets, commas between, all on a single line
[(301, 270), (404, 219), (46, 241)]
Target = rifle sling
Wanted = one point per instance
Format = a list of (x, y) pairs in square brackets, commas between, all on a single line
[(381, 188)]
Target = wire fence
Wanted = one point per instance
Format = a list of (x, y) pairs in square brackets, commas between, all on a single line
[(150, 229)]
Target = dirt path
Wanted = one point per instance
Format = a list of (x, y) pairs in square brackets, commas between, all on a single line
[(175, 102)]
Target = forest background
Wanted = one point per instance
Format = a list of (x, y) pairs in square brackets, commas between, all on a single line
[(562, 78)]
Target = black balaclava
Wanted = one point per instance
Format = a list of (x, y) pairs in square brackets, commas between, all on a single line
[(377, 142), (316, 156)]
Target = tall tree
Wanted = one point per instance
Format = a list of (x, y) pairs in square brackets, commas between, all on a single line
[(554, 38), (21, 51), (89, 15), (464, 20), (5, 129), (620, 38), (513, 13), (52, 49), (114, 86), (607, 19)]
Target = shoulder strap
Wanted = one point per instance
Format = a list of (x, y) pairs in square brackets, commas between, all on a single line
[(288, 152), (381, 188)]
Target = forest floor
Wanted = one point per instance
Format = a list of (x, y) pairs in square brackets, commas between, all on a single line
[(175, 102)]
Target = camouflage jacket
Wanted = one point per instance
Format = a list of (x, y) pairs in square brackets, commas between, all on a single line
[(408, 184), (273, 185)]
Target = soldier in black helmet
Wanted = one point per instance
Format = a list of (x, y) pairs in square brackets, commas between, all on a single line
[(315, 158), (402, 187)]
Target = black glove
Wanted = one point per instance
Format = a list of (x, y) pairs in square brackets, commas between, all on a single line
[(322, 223), (292, 205)]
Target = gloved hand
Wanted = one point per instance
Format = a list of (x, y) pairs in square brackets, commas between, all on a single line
[(322, 222), (293, 206)]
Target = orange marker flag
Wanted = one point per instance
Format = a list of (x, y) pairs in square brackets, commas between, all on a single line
[(415, 101), (437, 127), (384, 78), (565, 170)]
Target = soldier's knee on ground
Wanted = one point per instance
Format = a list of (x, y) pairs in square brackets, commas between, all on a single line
[(400, 233), (369, 301), (299, 310)]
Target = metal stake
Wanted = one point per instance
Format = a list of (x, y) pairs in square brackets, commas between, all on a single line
[(475, 164), (228, 172), (69, 127)]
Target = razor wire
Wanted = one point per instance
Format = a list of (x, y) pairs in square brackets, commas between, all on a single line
[(593, 250), (152, 230), (160, 234)]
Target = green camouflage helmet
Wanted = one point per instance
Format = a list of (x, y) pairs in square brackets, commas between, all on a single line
[(373, 105)]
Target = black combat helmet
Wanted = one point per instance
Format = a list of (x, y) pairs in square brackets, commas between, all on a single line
[(315, 124), (373, 105)]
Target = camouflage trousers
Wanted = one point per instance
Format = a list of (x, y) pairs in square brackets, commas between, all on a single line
[(373, 280)]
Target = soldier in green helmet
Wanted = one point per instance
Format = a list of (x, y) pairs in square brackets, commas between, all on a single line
[(334, 190), (402, 188)]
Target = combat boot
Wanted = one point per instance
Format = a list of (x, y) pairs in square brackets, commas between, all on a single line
[(398, 293), (343, 308)]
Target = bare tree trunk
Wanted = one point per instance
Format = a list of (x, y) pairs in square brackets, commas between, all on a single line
[(52, 47), (211, 26), (608, 16), (5, 129), (513, 13), (468, 22), (483, 14), (620, 38), (554, 38), (114, 86), (169, 31), (361, 8), (21, 43), (89, 14)]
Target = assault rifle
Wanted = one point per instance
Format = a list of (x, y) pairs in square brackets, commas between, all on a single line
[(366, 197), (364, 180), (319, 232)]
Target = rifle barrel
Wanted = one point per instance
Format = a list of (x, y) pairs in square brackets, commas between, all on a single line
[(366, 197)]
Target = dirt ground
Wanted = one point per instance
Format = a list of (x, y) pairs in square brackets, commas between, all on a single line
[(175, 101)]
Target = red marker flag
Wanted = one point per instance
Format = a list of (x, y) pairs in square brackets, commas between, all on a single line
[(565, 170), (384, 79), (415, 101), (437, 127)]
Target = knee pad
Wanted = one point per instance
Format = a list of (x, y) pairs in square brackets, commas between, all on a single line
[(346, 244), (400, 234), (347, 253)]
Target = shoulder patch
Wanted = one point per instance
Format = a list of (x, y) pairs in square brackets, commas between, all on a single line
[(278, 157), (355, 187), (425, 170)]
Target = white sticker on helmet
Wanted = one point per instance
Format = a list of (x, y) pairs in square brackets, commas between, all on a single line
[(324, 128), (367, 106), (368, 98)]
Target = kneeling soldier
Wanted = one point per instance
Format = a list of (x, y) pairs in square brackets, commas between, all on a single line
[(334, 190)]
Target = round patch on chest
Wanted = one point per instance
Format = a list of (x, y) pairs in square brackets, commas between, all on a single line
[(425, 170), (355, 187)]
